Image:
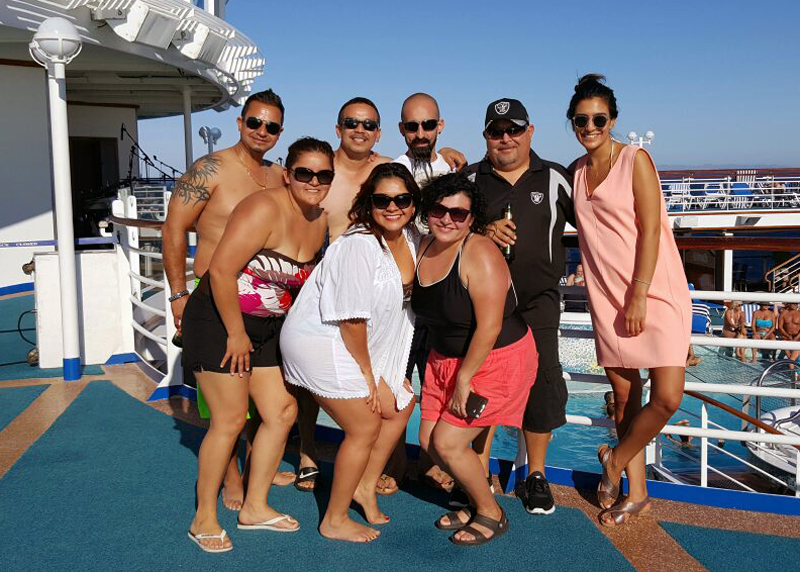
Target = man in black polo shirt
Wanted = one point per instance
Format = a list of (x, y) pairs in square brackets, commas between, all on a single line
[(539, 193)]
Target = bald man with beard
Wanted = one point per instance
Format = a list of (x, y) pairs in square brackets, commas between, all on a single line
[(420, 125)]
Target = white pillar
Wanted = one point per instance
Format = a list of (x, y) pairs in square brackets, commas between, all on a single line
[(727, 268), (187, 125), (62, 183)]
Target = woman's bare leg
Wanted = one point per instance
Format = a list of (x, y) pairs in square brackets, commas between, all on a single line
[(278, 411), (627, 386), (453, 445), (393, 423), (665, 397), (361, 429), (483, 447), (227, 402), (427, 464)]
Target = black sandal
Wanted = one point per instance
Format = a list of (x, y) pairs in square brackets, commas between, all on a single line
[(454, 520), (498, 527), (307, 475)]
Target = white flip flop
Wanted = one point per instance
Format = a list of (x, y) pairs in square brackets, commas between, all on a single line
[(269, 525), (197, 538)]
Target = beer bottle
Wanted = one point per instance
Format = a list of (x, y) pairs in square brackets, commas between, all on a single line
[(508, 251)]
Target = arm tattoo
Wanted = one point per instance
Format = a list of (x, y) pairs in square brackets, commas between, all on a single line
[(194, 186)]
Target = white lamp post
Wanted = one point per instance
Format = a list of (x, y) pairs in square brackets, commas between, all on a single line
[(641, 141), (54, 45), (210, 137)]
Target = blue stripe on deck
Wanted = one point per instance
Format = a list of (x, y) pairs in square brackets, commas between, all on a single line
[(14, 400)]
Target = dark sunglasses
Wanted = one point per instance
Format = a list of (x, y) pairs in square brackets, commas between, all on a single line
[(427, 125), (324, 177), (497, 133), (457, 214), (402, 201), (352, 123), (255, 123), (581, 121)]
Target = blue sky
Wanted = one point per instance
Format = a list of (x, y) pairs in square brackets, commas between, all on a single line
[(718, 82)]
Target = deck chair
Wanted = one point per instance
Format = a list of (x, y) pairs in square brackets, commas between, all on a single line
[(742, 195), (715, 196), (701, 318), (677, 195)]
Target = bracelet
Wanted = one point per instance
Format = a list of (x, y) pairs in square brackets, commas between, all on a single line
[(178, 296), (641, 282)]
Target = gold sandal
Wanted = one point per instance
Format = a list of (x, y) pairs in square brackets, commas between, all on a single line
[(607, 492), (623, 511)]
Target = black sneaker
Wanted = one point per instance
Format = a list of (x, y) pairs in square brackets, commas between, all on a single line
[(459, 499), (537, 498)]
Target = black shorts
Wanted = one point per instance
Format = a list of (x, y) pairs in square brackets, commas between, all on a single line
[(205, 338), (547, 403)]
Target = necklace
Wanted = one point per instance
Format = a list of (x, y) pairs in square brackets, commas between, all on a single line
[(591, 171), (249, 172)]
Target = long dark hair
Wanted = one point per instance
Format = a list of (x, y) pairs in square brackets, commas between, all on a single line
[(452, 184), (361, 211)]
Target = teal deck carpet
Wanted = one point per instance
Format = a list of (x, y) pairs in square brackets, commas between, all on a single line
[(726, 550), (110, 487), (14, 349), (14, 400)]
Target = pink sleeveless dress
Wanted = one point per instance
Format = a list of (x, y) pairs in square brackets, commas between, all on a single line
[(607, 234)]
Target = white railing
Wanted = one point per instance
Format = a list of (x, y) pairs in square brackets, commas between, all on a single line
[(730, 194), (705, 429), (154, 325), (152, 312)]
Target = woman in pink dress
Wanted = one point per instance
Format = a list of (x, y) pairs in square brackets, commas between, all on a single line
[(638, 294)]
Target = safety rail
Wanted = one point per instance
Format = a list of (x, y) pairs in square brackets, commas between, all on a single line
[(785, 277), (154, 325), (730, 193)]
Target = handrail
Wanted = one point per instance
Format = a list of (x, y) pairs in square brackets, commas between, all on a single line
[(794, 259), (139, 223), (743, 416)]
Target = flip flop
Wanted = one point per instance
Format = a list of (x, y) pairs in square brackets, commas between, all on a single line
[(199, 537), (307, 475), (386, 491), (497, 527), (269, 524)]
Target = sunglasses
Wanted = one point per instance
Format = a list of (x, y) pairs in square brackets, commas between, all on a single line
[(382, 202), (303, 175), (581, 121), (457, 214), (352, 123), (497, 133), (255, 123), (427, 125)]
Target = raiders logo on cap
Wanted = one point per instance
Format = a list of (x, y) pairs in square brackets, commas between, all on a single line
[(501, 107)]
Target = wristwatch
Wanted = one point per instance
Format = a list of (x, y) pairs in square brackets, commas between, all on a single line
[(178, 296)]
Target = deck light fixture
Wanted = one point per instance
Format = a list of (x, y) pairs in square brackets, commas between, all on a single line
[(635, 139), (210, 136), (54, 45)]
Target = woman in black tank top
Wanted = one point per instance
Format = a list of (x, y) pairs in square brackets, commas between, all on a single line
[(464, 295)]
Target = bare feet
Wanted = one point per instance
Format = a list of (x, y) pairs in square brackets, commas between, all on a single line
[(250, 516), (348, 530), (233, 495), (208, 535), (369, 502), (283, 479)]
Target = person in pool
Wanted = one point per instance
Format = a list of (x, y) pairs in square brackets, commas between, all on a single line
[(232, 328)]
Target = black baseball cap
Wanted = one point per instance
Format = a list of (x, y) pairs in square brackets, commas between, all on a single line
[(509, 109)]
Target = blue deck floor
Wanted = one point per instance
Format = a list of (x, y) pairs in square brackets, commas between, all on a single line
[(110, 486)]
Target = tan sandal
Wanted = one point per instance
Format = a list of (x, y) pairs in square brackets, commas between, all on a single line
[(607, 492), (623, 511), (382, 489)]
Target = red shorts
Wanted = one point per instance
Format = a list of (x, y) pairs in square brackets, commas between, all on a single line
[(505, 379)]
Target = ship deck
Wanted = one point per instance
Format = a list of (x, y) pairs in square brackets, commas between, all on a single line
[(95, 477)]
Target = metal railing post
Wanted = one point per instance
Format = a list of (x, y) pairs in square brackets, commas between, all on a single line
[(133, 241), (797, 473), (704, 447)]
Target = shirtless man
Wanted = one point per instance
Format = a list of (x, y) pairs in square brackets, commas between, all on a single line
[(789, 328), (203, 198)]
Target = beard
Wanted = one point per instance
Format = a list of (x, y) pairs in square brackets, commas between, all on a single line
[(421, 154)]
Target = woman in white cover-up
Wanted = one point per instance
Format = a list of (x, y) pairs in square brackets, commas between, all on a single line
[(347, 339)]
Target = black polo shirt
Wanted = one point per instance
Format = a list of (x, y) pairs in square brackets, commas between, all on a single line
[(541, 205)]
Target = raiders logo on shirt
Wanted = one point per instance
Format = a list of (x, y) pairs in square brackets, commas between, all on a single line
[(537, 197)]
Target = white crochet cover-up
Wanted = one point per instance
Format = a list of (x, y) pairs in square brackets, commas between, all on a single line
[(357, 279)]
